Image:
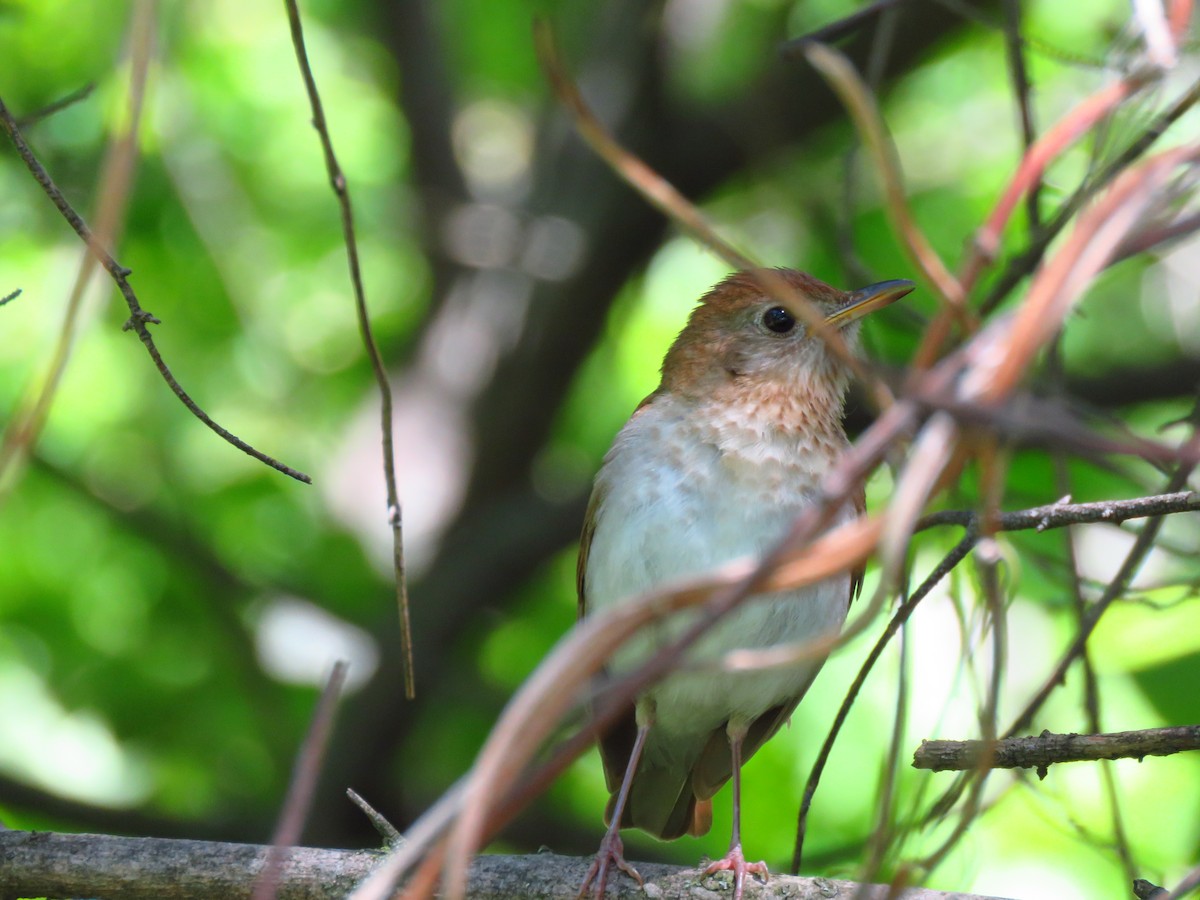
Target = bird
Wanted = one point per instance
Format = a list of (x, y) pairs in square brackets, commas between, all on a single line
[(714, 465)]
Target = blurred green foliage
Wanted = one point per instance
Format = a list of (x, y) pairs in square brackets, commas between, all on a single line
[(141, 556)]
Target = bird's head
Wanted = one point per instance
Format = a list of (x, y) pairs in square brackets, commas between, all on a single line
[(742, 337)]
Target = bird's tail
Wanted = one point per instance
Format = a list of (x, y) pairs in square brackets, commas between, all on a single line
[(662, 803)]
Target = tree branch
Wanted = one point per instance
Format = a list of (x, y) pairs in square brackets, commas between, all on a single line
[(341, 190), (36, 864), (139, 318), (1045, 749), (1057, 515)]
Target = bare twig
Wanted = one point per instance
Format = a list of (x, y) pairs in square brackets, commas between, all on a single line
[(1041, 518), (11, 296), (1141, 546), (1027, 261), (1046, 749), (1148, 890), (1091, 691), (797, 47), (1058, 515), (1015, 50), (952, 559), (1156, 32), (390, 833), (1188, 884), (138, 317), (116, 179), (76, 96), (657, 190), (1085, 253), (1179, 13), (304, 782), (855, 95), (1057, 139), (661, 194), (337, 181)]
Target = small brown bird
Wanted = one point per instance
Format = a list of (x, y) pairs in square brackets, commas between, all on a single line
[(712, 466)]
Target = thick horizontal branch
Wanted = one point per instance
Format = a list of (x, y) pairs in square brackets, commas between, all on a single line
[(1045, 749), (36, 864)]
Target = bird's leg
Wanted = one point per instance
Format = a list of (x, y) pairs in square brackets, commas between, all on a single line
[(734, 860), (612, 850)]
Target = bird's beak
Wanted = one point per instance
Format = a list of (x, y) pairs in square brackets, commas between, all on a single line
[(869, 299)]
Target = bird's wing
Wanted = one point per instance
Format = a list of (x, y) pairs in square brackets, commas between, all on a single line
[(857, 574), (585, 546)]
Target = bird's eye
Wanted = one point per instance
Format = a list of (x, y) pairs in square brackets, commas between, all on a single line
[(778, 320)]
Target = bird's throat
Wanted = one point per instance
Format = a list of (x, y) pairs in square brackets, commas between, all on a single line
[(774, 424)]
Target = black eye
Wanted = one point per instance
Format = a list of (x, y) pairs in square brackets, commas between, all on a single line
[(778, 320)]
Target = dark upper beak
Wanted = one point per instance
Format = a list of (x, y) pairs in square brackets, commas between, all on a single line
[(869, 299)]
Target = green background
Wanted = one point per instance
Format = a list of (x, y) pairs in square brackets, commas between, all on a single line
[(169, 607)]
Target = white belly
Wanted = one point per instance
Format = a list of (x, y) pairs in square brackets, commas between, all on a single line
[(665, 516)]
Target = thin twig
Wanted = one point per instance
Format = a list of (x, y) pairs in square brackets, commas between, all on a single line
[(1155, 236), (1027, 260), (663, 196), (657, 190), (390, 833), (882, 839), (857, 98), (1091, 691), (1179, 13), (1115, 588), (8, 297), (1141, 546), (840, 73), (1188, 884), (138, 317), (1058, 515), (834, 31), (1015, 51), (1049, 146), (952, 559), (76, 96), (1046, 749), (337, 180), (304, 783), (121, 156)]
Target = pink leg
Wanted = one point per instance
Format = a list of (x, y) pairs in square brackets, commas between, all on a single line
[(735, 860), (612, 850)]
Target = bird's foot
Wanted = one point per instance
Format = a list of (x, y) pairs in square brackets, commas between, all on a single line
[(735, 862), (611, 853)]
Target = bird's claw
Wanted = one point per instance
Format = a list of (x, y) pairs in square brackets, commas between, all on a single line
[(735, 861), (611, 852)]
